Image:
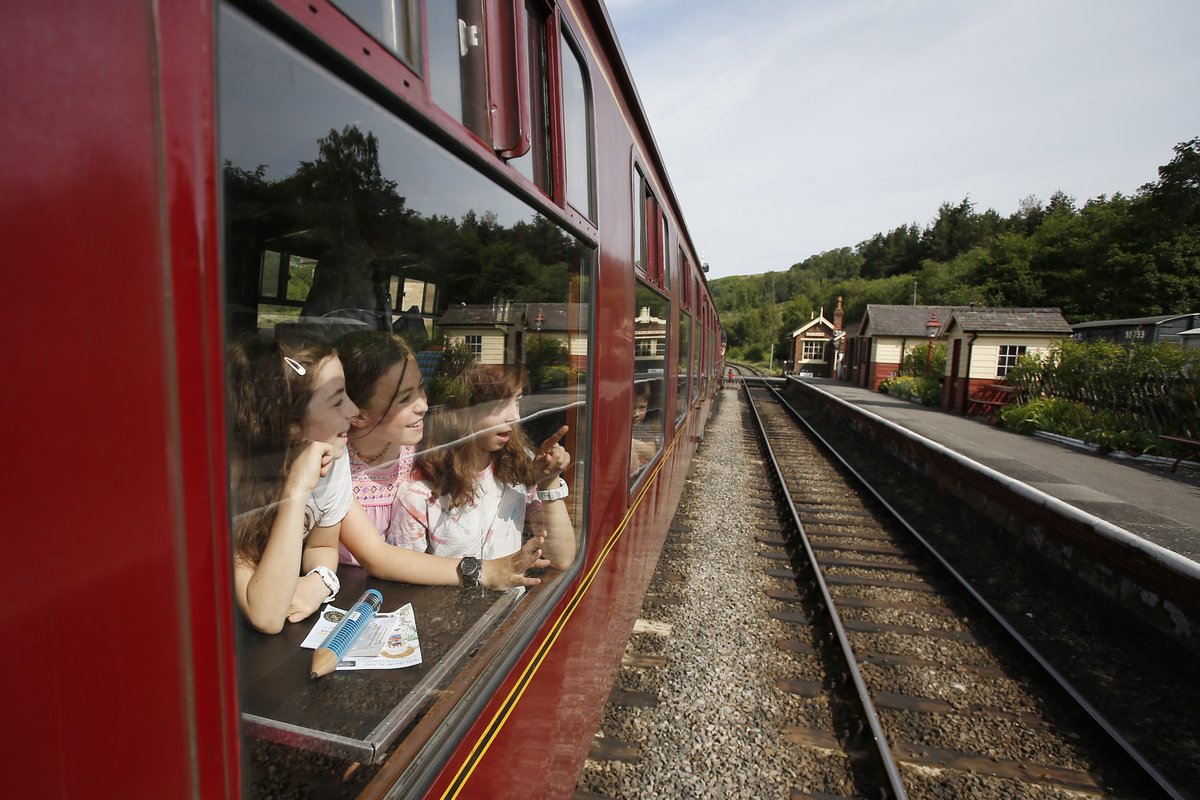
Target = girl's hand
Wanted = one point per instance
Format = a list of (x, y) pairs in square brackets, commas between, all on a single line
[(509, 571), (551, 461), (310, 466), (310, 595)]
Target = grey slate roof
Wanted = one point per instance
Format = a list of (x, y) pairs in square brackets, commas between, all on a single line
[(908, 321), (1011, 320)]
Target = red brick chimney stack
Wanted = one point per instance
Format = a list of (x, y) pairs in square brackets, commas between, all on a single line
[(838, 315)]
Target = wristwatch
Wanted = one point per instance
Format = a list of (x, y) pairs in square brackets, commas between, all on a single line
[(329, 578), (557, 493), (470, 572)]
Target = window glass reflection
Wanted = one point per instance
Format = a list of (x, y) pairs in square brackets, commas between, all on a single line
[(639, 220), (649, 371), (577, 127), (392, 22), (342, 223), (458, 62), (685, 359)]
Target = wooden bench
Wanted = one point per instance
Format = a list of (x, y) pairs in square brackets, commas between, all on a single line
[(989, 400), (1191, 447)]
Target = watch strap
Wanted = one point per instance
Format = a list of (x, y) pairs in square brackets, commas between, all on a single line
[(329, 578), (557, 493)]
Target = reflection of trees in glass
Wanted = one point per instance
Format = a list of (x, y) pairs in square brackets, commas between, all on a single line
[(548, 361), (341, 211)]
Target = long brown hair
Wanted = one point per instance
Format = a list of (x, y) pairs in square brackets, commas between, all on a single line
[(447, 456), (268, 394), (366, 356)]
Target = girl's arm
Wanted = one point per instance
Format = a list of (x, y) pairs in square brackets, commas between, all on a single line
[(266, 590), (553, 522), (393, 563), (320, 549)]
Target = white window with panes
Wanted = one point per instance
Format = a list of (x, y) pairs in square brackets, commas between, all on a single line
[(1009, 353)]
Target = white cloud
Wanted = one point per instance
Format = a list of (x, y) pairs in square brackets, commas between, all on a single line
[(790, 128)]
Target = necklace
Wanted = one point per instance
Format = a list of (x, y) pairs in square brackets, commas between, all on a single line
[(372, 459)]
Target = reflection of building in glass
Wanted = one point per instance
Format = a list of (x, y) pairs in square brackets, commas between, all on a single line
[(413, 304), (500, 333), (649, 341)]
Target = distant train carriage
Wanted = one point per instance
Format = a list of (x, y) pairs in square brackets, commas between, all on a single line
[(477, 177)]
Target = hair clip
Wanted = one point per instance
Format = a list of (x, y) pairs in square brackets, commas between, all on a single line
[(296, 365)]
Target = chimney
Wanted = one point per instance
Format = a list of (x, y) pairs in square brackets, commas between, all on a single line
[(838, 315)]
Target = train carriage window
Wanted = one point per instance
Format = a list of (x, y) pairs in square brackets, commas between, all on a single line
[(577, 128), (641, 244), (696, 349), (393, 23), (458, 62), (650, 354), (536, 163), (684, 361), (685, 279), (338, 218), (665, 249)]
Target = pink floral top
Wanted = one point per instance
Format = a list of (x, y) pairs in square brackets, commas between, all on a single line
[(489, 526), (375, 488)]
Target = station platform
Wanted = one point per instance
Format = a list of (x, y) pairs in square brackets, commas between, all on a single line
[(1142, 497)]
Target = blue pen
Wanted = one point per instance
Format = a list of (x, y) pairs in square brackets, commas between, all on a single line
[(337, 643)]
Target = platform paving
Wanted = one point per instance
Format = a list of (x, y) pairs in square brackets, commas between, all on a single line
[(1144, 498)]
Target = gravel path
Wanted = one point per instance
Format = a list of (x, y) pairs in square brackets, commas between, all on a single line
[(718, 727)]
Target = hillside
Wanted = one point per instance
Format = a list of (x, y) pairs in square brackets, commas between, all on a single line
[(1111, 257)]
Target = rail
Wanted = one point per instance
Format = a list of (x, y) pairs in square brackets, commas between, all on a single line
[(1022, 643), (882, 751)]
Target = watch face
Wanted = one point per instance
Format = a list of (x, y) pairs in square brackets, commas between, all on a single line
[(470, 568)]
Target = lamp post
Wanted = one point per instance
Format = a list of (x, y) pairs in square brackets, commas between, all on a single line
[(931, 331)]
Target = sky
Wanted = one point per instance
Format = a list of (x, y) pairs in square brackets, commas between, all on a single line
[(793, 127)]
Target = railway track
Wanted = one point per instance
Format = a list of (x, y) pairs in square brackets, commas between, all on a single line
[(920, 691), (923, 694)]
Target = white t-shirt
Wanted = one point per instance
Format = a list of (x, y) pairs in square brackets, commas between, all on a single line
[(330, 501), (489, 526)]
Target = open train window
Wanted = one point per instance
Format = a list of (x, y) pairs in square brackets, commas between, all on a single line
[(651, 233), (536, 163), (650, 327), (341, 219)]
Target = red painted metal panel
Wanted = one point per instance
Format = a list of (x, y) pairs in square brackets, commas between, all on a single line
[(96, 607), (186, 96)]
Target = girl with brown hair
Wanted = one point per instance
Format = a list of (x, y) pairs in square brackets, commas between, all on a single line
[(478, 479), (292, 494)]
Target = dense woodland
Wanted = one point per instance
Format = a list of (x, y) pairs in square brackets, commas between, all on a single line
[(1109, 258)]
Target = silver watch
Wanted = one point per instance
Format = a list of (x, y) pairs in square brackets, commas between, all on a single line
[(329, 578), (470, 572)]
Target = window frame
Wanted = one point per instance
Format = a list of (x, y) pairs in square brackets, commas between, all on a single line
[(565, 41), (492, 664), (1006, 360), (664, 355)]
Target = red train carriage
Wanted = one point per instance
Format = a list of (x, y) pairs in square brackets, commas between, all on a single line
[(475, 175)]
